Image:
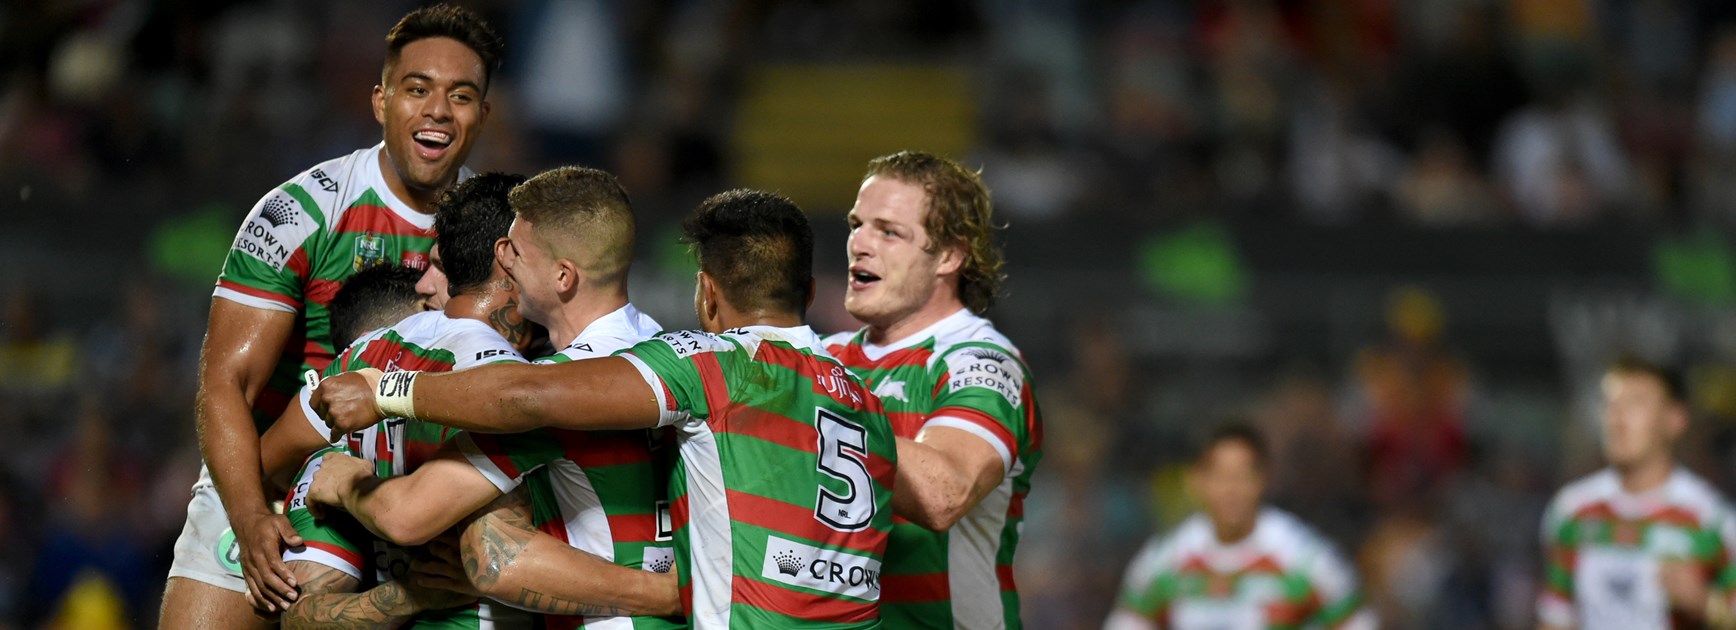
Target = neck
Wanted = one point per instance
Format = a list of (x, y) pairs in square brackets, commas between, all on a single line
[(584, 309), (728, 318), (1646, 475), (418, 199), (1231, 534), (940, 306), (494, 304)]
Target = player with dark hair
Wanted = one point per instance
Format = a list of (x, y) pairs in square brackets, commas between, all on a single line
[(570, 247), (781, 497), (269, 322), (1643, 543), (924, 269), (1238, 564), (373, 298), (340, 558)]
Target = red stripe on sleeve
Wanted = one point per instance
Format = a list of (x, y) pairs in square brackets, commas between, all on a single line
[(983, 420), (355, 559), (260, 293)]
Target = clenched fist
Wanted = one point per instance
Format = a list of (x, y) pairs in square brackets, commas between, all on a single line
[(346, 401)]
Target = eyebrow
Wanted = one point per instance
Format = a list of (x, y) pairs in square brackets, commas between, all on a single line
[(423, 77)]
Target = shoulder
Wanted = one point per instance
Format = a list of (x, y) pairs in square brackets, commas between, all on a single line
[(839, 339), (1288, 535), (321, 189), (1582, 492), (1689, 491), (687, 343)]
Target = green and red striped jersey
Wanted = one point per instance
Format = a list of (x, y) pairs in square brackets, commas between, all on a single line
[(959, 373), (598, 491), (781, 499), (428, 342), (302, 240), (1604, 548), (1281, 575)]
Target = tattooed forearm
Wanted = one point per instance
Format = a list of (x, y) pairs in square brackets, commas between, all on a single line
[(384, 606), (545, 603), (490, 546)]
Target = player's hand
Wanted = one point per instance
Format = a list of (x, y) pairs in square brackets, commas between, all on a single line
[(346, 401), (337, 475), (436, 580), (440, 566), (262, 538)]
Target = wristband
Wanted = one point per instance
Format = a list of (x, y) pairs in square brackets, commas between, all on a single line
[(396, 397)]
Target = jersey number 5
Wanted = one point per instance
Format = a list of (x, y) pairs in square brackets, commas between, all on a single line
[(843, 456)]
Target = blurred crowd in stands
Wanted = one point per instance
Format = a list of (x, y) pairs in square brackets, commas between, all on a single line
[(119, 117)]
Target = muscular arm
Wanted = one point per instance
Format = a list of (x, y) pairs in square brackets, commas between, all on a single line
[(942, 474), (242, 344), (412, 509), (606, 393), (330, 601), (507, 560), (286, 444)]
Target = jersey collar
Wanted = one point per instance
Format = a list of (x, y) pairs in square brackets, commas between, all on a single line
[(399, 206), (951, 322), (627, 322)]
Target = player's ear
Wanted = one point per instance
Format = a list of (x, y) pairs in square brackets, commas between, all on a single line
[(705, 300), (380, 104), (567, 278), (951, 259)]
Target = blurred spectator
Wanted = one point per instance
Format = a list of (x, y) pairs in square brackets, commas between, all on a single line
[(1442, 186), (1415, 391), (89, 561)]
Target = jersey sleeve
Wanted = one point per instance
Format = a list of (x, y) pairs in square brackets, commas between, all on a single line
[(1719, 553), (679, 366), (505, 459), (1555, 601), (483, 349), (268, 265), (324, 541), (982, 389), (1145, 592), (1335, 589)]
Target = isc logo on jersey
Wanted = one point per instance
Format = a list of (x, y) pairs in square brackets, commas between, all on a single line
[(988, 369), (274, 231), (793, 563)]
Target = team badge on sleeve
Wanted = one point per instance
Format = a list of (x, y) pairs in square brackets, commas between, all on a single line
[(275, 230), (986, 368)]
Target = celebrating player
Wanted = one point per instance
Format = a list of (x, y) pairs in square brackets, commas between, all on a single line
[(781, 500), (1642, 544), (1239, 564), (571, 246), (923, 268), (268, 321), (479, 325)]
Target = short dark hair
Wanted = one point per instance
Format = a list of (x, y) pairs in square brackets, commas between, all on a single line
[(1237, 431), (1674, 385), (469, 218), (375, 297), (758, 246), (959, 213), (457, 23)]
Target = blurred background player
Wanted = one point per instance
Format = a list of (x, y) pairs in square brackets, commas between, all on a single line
[(924, 267), (479, 325), (1644, 543), (782, 497), (570, 249), (1239, 564), (268, 320)]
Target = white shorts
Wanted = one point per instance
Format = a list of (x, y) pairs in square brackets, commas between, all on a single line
[(207, 551)]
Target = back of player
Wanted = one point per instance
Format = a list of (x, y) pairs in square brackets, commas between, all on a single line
[(794, 458)]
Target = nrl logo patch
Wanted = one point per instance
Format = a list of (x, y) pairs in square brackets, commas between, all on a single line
[(370, 250)]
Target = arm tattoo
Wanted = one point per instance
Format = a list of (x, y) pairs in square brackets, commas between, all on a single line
[(493, 548), (542, 602), (328, 601)]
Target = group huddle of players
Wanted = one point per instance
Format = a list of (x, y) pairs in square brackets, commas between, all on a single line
[(475, 428)]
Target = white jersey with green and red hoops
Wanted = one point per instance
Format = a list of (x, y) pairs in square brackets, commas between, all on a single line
[(1281, 575), (1604, 547), (298, 245), (959, 373), (598, 491), (430, 342)]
